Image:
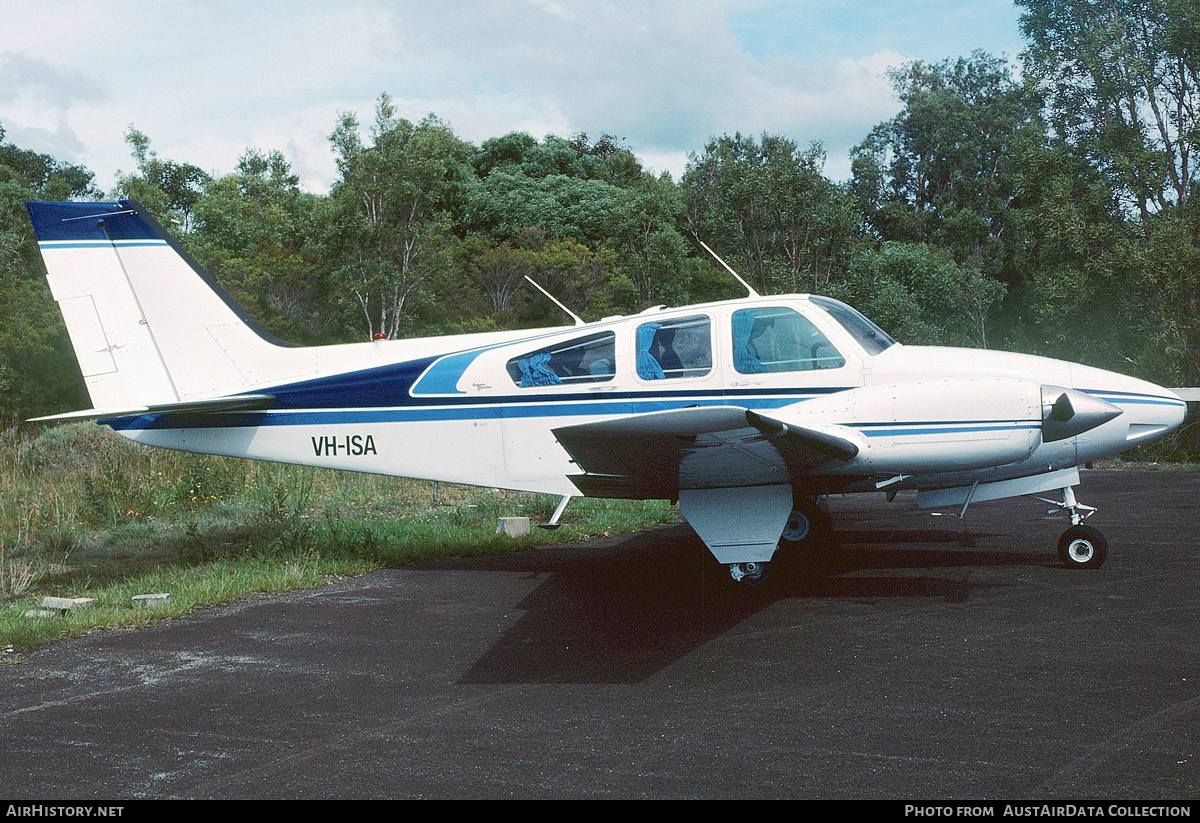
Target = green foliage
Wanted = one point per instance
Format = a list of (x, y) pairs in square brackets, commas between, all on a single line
[(919, 294), (770, 210), (1122, 83), (388, 232), (38, 373), (560, 205), (256, 232), (167, 188), (651, 253), (945, 169)]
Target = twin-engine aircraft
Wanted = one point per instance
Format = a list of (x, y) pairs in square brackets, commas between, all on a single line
[(745, 411)]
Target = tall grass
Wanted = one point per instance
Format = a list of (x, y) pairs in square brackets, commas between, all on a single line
[(85, 513)]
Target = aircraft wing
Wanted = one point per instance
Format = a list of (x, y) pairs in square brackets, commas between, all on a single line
[(239, 402), (655, 455)]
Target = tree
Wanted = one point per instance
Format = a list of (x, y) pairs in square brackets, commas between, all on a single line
[(1122, 82), (768, 207), (256, 232), (944, 170), (650, 252), (508, 201), (390, 231), (918, 293), (168, 189), (45, 177)]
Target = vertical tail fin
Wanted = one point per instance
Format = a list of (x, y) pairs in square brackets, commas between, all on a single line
[(148, 325)]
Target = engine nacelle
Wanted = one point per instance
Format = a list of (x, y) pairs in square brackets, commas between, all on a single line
[(928, 426)]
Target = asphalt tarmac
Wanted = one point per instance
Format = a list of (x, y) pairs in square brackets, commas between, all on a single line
[(929, 658)]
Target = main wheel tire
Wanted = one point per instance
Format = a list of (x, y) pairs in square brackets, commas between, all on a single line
[(807, 525), (1082, 547)]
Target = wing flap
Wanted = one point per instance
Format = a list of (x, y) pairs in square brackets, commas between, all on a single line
[(657, 454)]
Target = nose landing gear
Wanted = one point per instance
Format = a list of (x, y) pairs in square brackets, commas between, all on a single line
[(1080, 547)]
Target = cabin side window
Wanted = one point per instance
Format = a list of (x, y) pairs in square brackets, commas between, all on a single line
[(779, 339), (869, 336), (668, 349), (588, 359)]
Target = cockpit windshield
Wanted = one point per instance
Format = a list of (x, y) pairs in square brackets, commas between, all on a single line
[(870, 337)]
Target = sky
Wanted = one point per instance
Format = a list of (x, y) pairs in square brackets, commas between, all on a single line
[(206, 79)]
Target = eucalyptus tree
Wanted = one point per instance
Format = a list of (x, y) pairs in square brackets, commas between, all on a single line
[(170, 190), (1121, 80), (257, 233), (945, 170), (768, 208), (390, 231)]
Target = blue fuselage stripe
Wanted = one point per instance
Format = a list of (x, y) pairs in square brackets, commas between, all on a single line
[(900, 429), (384, 395), (98, 244)]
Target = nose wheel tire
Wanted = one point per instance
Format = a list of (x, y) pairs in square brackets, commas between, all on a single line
[(1082, 547)]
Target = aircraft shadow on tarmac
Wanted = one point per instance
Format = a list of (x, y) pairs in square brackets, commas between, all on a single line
[(621, 611)]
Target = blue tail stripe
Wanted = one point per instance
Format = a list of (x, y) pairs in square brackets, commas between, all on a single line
[(82, 221)]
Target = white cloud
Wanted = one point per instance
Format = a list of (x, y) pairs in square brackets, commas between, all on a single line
[(207, 80)]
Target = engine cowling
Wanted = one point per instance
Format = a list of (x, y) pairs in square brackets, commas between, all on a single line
[(933, 425)]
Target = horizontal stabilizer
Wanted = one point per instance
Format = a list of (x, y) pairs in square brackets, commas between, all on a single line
[(241, 402)]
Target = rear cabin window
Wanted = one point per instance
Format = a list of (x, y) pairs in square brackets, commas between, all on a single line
[(581, 360), (674, 348), (779, 339)]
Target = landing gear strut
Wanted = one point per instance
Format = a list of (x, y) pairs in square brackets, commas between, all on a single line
[(1080, 547)]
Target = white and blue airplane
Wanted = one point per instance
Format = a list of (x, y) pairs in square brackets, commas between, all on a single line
[(745, 411)]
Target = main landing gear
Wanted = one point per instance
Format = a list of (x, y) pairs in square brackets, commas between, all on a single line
[(807, 526), (750, 574), (1080, 547)]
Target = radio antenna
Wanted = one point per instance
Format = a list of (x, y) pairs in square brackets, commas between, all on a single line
[(578, 320), (738, 277)]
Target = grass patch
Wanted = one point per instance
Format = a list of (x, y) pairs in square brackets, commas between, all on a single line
[(85, 513)]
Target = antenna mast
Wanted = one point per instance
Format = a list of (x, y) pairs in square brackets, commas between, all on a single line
[(738, 277), (578, 320)]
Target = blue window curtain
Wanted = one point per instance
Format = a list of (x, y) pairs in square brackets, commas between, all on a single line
[(526, 377), (535, 371), (743, 360), (540, 369), (647, 367)]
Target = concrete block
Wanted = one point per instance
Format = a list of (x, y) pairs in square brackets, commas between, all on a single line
[(151, 599), (39, 613), (513, 526), (66, 603)]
